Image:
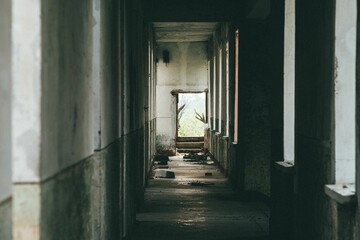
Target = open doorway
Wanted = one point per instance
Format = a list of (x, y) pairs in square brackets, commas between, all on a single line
[(191, 120), (191, 114)]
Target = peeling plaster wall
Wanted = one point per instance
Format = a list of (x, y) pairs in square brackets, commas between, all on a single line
[(88, 195), (79, 115), (67, 107), (26, 90), (76, 112), (187, 70), (80, 59)]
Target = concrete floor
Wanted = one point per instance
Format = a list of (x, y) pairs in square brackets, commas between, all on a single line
[(195, 207)]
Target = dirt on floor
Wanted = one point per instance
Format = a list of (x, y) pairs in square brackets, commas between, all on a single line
[(198, 204)]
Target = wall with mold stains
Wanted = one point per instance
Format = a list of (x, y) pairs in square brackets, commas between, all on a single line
[(65, 125), (187, 70)]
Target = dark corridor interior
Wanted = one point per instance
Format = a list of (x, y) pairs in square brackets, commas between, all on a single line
[(90, 146)]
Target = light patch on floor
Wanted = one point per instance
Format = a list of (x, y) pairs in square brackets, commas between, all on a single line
[(177, 209)]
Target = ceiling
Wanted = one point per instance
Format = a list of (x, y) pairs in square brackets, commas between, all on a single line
[(183, 31)]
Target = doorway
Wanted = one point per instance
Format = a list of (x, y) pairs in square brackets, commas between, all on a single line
[(191, 114), (191, 121)]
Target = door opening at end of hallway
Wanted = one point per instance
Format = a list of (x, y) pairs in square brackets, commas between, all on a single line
[(191, 114)]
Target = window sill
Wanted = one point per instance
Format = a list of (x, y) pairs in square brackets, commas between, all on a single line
[(341, 193), (285, 166)]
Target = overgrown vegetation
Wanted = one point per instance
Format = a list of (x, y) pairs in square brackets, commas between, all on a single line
[(191, 122)]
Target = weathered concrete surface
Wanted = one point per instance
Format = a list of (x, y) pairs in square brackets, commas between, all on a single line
[(219, 150), (67, 101), (26, 211), (316, 216), (5, 100), (257, 63), (89, 194), (26, 90), (5, 220), (289, 80), (187, 70), (345, 91), (109, 72), (195, 206)]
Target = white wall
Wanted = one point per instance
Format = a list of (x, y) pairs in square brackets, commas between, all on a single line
[(5, 99), (187, 70), (289, 81), (26, 90), (345, 85), (67, 113)]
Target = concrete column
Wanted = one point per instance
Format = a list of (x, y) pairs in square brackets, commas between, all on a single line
[(227, 125), (211, 86), (26, 121), (345, 71), (218, 85), (96, 73), (232, 90), (223, 84), (215, 83), (289, 80)]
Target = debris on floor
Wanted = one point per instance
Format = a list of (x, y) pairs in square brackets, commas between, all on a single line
[(208, 174), (194, 157), (197, 183), (161, 159), (164, 174), (195, 206)]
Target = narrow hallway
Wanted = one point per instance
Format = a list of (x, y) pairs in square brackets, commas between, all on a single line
[(198, 204), (92, 91)]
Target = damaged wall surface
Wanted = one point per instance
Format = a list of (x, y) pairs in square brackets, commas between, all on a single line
[(187, 70), (85, 99), (86, 160)]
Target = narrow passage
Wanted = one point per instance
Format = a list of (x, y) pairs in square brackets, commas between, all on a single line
[(197, 205)]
